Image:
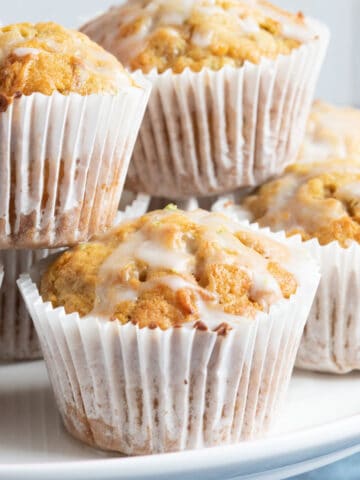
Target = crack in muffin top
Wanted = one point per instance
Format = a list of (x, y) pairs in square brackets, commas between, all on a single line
[(319, 200), (176, 34), (45, 57), (169, 268)]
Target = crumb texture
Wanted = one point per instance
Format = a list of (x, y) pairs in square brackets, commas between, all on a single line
[(168, 268), (46, 57), (177, 34), (320, 200)]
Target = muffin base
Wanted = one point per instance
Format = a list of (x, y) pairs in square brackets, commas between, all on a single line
[(63, 161)]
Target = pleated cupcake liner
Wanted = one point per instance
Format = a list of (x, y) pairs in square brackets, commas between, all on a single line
[(209, 132), (142, 391), (18, 338), (63, 162), (332, 334)]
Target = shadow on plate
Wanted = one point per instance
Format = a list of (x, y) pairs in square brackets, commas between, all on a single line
[(31, 428)]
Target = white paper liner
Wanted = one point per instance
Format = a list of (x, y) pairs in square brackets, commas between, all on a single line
[(332, 334), (213, 132), (141, 391), (18, 338), (63, 162)]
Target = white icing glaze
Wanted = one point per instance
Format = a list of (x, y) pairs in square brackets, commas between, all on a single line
[(202, 39), (318, 150), (147, 247), (312, 213), (213, 316), (147, 251), (350, 190), (23, 52), (248, 25), (92, 59), (265, 289), (297, 32), (157, 13), (290, 29), (331, 132)]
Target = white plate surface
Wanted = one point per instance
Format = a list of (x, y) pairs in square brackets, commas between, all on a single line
[(320, 424)]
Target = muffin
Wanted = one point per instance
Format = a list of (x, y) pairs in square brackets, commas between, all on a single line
[(321, 202), (174, 331), (232, 86), (69, 116), (331, 132)]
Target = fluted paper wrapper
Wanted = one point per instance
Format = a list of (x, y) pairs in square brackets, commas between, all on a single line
[(141, 391), (18, 338), (63, 162), (212, 132), (332, 334)]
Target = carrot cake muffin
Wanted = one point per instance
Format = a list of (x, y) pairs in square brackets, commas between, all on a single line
[(321, 202), (153, 311), (196, 34), (203, 57), (331, 132), (62, 105)]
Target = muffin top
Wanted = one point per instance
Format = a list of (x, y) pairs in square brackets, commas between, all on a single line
[(46, 58), (176, 34), (169, 268), (331, 132), (320, 200)]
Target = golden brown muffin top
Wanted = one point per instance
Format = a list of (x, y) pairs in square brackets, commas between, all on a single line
[(331, 132), (320, 200), (176, 34), (46, 58), (169, 268)]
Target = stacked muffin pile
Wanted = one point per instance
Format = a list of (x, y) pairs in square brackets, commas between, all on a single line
[(173, 330)]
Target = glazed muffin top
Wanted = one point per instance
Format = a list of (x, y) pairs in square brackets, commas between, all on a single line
[(320, 200), (169, 268), (331, 132), (46, 57), (176, 34)]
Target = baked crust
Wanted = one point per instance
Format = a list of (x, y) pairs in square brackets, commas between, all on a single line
[(46, 57), (170, 267), (320, 200), (175, 35)]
